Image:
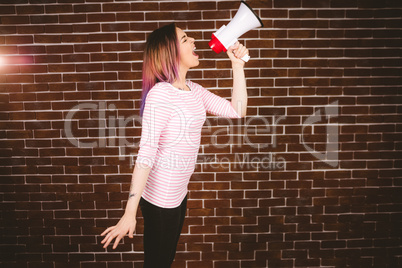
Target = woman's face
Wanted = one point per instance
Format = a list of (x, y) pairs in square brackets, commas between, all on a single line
[(188, 58)]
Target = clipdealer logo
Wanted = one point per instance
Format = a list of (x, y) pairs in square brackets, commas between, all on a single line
[(112, 133)]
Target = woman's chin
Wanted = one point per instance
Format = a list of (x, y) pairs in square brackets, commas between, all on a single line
[(196, 63)]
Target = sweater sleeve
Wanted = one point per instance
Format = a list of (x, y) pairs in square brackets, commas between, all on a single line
[(217, 105), (157, 112)]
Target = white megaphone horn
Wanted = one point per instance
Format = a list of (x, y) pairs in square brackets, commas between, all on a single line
[(244, 20)]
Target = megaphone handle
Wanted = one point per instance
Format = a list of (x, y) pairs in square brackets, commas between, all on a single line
[(245, 58)]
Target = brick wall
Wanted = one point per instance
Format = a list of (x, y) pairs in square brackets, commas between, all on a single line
[(310, 178)]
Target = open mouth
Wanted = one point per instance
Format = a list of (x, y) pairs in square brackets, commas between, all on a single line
[(194, 52)]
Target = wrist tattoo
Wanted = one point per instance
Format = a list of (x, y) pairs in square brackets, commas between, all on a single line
[(131, 195)]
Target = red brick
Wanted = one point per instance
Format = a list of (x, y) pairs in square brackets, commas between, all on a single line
[(287, 4), (131, 17)]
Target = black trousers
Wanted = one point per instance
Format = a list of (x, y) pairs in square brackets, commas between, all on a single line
[(162, 228)]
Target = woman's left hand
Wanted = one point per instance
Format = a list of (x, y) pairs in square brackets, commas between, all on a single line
[(235, 53)]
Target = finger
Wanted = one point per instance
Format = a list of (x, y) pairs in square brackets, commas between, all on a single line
[(107, 235), (233, 47), (243, 52), (230, 50), (106, 244), (232, 53), (109, 240), (107, 230), (236, 45), (110, 236), (106, 238), (105, 241), (116, 241), (131, 232), (239, 51)]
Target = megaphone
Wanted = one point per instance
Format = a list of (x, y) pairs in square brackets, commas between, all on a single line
[(244, 20)]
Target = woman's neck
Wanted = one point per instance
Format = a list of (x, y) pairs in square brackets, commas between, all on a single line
[(182, 86), (181, 81)]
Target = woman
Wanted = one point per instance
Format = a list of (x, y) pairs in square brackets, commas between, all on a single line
[(173, 110)]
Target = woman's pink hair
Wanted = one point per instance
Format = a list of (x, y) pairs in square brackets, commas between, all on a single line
[(161, 59)]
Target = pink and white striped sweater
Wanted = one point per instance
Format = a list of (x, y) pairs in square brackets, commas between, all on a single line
[(170, 138)]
